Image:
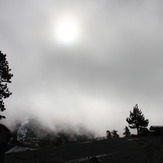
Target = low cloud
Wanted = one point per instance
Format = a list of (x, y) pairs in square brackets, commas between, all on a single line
[(116, 64)]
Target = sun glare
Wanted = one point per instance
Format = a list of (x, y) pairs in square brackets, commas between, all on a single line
[(67, 32)]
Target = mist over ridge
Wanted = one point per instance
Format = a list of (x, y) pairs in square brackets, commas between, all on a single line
[(94, 83)]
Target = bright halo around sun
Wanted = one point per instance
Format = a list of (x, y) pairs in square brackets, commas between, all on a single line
[(67, 32)]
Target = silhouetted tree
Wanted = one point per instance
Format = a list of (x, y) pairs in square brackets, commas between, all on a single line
[(114, 134), (108, 134), (127, 132), (5, 77), (136, 119)]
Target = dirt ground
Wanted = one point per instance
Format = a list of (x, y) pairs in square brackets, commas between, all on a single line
[(137, 150)]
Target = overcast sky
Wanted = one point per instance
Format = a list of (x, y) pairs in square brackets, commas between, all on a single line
[(115, 62)]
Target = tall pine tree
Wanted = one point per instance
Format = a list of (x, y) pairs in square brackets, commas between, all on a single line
[(136, 119), (5, 77)]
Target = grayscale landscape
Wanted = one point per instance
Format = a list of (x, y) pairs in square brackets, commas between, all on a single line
[(81, 81)]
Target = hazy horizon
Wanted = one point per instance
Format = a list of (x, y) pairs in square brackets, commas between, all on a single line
[(93, 79)]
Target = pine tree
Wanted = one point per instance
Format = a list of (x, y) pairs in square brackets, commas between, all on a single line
[(114, 134), (127, 132), (5, 77), (136, 119), (108, 134)]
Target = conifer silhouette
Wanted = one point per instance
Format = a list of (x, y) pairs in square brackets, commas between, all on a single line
[(5, 77), (127, 132), (136, 119)]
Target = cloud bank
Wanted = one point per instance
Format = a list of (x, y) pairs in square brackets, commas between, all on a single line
[(116, 63)]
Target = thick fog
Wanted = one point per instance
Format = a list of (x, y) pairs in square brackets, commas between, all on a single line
[(115, 63)]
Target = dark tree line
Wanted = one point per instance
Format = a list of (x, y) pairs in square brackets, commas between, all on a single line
[(112, 134), (136, 120)]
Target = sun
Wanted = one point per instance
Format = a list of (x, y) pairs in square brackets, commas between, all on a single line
[(67, 31)]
